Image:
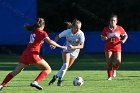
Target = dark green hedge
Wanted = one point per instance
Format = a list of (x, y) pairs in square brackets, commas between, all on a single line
[(94, 14)]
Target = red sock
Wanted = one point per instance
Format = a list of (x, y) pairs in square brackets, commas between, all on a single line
[(109, 71), (42, 75), (115, 67), (7, 79)]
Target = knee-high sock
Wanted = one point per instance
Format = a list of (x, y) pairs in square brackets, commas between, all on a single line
[(41, 76), (7, 79), (109, 71), (62, 71)]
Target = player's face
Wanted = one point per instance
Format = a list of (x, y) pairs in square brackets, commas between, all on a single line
[(76, 28), (113, 21)]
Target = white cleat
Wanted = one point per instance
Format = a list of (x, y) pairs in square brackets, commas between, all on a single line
[(110, 78), (35, 84), (114, 73), (1, 87)]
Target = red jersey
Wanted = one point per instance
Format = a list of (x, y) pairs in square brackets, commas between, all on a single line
[(114, 36), (31, 53), (36, 40)]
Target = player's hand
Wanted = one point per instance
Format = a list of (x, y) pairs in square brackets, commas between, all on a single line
[(52, 47), (104, 37), (122, 42), (64, 47), (71, 46)]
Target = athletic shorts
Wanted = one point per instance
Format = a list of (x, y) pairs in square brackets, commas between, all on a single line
[(112, 50), (30, 58), (73, 53), (115, 48)]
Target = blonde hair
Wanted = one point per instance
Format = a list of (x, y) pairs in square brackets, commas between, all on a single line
[(68, 24), (75, 22)]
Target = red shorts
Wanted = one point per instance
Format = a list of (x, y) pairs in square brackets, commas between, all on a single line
[(112, 50), (115, 48), (30, 57)]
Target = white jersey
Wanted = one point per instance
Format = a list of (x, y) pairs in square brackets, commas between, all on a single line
[(72, 39)]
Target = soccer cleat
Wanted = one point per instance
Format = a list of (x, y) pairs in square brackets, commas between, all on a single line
[(59, 83), (110, 78), (34, 84), (53, 80), (1, 87), (114, 73)]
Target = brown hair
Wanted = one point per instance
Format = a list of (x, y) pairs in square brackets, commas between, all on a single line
[(39, 23), (113, 15)]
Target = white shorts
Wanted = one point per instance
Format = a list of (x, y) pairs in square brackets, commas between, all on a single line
[(73, 53)]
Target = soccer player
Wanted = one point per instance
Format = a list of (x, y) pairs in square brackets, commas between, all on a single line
[(74, 41), (31, 54), (112, 34)]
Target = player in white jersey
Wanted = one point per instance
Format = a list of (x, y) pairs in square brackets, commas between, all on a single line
[(74, 41)]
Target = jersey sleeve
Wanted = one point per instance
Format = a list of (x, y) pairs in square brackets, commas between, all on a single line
[(104, 32), (44, 34), (63, 34), (122, 31), (82, 38)]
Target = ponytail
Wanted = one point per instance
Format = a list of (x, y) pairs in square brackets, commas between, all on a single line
[(39, 23)]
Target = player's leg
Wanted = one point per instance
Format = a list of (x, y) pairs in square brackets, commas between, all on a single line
[(46, 69), (109, 56), (62, 71), (60, 74), (117, 61), (17, 70), (71, 62), (73, 57)]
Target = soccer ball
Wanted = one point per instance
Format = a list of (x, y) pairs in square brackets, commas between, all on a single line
[(78, 81)]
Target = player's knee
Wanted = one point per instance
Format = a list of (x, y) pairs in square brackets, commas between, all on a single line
[(49, 70)]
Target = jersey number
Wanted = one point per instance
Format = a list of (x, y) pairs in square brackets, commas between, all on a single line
[(32, 38), (112, 39)]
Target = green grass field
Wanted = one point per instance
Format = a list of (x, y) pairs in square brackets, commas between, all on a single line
[(90, 67)]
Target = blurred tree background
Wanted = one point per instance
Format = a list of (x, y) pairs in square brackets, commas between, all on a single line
[(94, 14)]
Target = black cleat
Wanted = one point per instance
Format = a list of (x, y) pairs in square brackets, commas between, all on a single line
[(53, 80), (59, 83), (36, 86)]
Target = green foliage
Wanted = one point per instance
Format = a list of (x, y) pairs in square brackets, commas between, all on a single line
[(94, 14)]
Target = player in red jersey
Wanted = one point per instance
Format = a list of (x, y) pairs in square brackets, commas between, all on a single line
[(112, 34), (31, 54)]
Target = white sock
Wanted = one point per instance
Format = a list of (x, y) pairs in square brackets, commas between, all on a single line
[(62, 71)]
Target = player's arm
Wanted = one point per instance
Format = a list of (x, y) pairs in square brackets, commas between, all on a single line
[(56, 38), (103, 37), (51, 42), (125, 38), (62, 34), (80, 46), (104, 34)]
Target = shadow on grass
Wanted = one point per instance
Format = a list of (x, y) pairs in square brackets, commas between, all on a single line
[(84, 62)]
